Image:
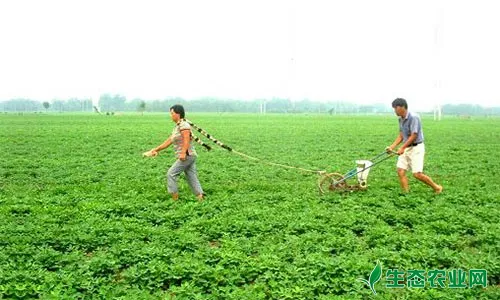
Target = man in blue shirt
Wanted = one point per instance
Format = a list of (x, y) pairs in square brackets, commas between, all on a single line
[(411, 153)]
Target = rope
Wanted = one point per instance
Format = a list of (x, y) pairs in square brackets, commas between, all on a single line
[(277, 164), (206, 134), (199, 141)]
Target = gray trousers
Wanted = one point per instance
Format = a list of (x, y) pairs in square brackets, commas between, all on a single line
[(187, 166)]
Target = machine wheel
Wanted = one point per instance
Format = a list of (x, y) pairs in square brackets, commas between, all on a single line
[(327, 183)]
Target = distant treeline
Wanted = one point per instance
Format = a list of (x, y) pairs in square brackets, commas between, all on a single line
[(118, 103)]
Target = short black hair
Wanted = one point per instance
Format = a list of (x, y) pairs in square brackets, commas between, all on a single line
[(399, 102), (178, 109)]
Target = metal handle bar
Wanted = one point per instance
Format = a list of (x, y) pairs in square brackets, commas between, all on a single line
[(348, 175)]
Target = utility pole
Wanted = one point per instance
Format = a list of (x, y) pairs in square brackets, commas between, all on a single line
[(438, 85), (292, 84)]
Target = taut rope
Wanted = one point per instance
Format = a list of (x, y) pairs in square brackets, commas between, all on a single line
[(210, 137)]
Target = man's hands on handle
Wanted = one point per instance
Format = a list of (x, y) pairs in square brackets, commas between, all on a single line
[(390, 150), (397, 141)]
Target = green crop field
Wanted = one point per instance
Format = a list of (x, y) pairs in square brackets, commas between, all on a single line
[(84, 216)]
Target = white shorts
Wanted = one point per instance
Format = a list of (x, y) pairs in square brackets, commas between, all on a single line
[(412, 158)]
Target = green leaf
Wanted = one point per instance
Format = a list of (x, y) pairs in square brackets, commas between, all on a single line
[(375, 276)]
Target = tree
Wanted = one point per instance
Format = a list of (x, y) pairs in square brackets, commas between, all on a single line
[(46, 105), (142, 107), (58, 105), (108, 102)]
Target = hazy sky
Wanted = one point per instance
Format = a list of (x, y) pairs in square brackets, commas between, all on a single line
[(360, 51)]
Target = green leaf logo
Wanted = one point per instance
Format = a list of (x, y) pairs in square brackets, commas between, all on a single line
[(374, 277)]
